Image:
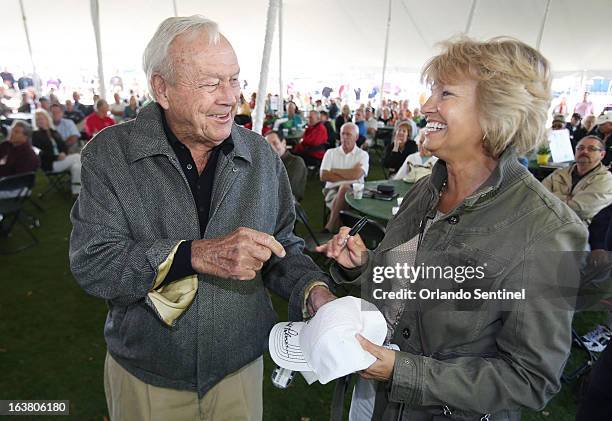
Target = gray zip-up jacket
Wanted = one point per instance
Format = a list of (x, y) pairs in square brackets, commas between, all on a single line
[(136, 205), (482, 359)]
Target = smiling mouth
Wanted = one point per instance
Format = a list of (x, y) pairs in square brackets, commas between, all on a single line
[(434, 126), (221, 118)]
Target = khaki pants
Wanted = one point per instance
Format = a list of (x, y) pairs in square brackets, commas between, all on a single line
[(238, 396)]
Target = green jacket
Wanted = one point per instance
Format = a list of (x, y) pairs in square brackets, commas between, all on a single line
[(467, 360)]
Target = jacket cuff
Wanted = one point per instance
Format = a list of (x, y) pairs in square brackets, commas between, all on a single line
[(305, 313), (407, 382)]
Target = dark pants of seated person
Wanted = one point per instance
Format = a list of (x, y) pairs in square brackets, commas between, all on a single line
[(597, 401)]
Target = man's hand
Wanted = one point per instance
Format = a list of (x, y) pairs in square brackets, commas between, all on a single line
[(382, 369), (349, 256), (318, 297), (61, 156), (238, 255)]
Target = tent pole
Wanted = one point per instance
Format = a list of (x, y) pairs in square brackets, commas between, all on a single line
[(35, 77), (468, 25), (544, 19), (280, 55), (384, 69), (175, 8), (265, 65), (95, 19)]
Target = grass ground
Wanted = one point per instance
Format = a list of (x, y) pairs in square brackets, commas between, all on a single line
[(52, 345)]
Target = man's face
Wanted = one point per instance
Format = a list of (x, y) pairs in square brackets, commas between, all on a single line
[(103, 108), (368, 114), (575, 121), (348, 138), (44, 105), (69, 106), (279, 146), (75, 96), (606, 127), (57, 114), (202, 99), (117, 98), (18, 136), (589, 153), (291, 109), (358, 115), (313, 118)]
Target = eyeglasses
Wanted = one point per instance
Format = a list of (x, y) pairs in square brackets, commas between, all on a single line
[(588, 148)]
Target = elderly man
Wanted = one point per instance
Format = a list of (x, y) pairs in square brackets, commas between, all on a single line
[(72, 114), (296, 169), (99, 119), (16, 154), (586, 186), (312, 146), (184, 222), (117, 108), (66, 128), (341, 167), (603, 130)]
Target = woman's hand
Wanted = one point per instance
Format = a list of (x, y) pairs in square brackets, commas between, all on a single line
[(349, 256), (398, 143), (382, 369)]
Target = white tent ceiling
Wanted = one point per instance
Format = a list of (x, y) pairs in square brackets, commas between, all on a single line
[(323, 39)]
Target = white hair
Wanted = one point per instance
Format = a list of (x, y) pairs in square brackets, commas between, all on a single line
[(353, 125), (155, 57)]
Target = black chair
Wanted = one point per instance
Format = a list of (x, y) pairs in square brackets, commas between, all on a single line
[(314, 239), (371, 234), (59, 182), (16, 190)]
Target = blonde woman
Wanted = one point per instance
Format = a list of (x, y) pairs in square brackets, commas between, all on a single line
[(54, 152), (480, 208)]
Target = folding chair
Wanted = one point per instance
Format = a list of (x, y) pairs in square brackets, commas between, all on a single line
[(371, 234), (16, 188), (314, 239), (58, 181)]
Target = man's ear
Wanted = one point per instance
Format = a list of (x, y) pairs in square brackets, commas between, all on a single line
[(161, 90)]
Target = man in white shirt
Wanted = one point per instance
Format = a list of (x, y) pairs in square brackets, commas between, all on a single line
[(117, 108), (341, 167)]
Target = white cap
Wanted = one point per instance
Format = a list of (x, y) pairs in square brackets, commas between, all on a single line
[(326, 344), (604, 118)]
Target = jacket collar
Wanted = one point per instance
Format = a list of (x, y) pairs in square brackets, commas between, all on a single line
[(508, 171), (149, 139)]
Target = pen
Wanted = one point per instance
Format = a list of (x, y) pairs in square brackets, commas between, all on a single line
[(355, 230)]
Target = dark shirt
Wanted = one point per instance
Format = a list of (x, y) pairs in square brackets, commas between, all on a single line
[(17, 159), (51, 145), (394, 160), (340, 120), (577, 177), (201, 186), (74, 115)]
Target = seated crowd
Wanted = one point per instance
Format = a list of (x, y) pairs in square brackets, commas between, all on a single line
[(57, 133)]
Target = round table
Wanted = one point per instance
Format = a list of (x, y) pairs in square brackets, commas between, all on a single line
[(376, 208)]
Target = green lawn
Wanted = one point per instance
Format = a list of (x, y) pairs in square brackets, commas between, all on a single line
[(52, 345)]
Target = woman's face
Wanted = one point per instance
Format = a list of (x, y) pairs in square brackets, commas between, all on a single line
[(401, 135), (41, 121), (453, 130)]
